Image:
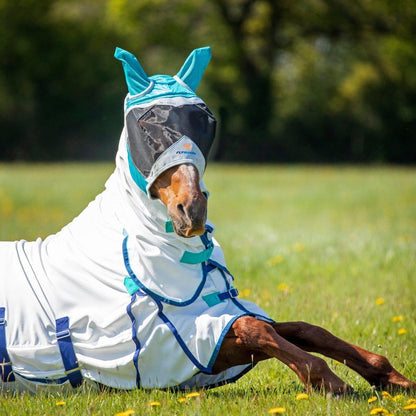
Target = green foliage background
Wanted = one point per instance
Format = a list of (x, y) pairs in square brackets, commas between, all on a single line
[(322, 80)]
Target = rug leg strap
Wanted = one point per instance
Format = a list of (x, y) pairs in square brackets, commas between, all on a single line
[(72, 369), (6, 372)]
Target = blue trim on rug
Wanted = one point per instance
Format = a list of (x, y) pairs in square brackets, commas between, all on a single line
[(220, 341), (207, 267), (180, 341), (155, 296), (135, 339), (215, 265), (57, 381), (232, 379)]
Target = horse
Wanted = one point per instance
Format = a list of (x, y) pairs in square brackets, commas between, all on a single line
[(135, 291)]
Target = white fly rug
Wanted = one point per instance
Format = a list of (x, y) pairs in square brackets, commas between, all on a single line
[(146, 307)]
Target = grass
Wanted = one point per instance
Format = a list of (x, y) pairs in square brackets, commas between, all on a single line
[(334, 246)]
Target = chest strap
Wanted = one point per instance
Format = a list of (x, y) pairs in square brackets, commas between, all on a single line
[(215, 298), (6, 372), (72, 369), (189, 257)]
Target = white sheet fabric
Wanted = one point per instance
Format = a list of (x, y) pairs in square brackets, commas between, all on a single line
[(80, 273)]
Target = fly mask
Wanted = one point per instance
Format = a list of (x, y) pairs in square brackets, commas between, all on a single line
[(167, 124)]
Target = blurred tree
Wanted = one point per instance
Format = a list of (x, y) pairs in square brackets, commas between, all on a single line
[(282, 71), (304, 56), (322, 80), (57, 83)]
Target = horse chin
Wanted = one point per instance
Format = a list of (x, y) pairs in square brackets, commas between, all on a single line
[(186, 231)]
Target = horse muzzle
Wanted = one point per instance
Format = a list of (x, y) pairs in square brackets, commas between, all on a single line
[(189, 217)]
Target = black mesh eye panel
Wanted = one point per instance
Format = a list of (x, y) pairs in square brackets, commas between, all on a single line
[(139, 145), (151, 132)]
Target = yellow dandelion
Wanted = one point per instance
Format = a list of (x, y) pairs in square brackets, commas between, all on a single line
[(397, 318), (410, 401), (153, 404), (275, 410), (372, 399), (411, 406), (181, 400), (379, 411), (283, 287), (61, 403), (244, 293), (302, 396), (299, 247), (275, 260), (398, 397), (266, 295), (386, 395), (401, 331), (379, 301), (194, 394), (126, 413)]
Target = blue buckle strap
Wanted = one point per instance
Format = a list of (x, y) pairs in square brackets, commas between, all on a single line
[(72, 369), (215, 298), (6, 371), (232, 293)]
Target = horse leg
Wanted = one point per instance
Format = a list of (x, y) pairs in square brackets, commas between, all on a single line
[(374, 368), (250, 340)]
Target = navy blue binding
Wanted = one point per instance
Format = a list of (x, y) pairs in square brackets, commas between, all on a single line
[(51, 381), (135, 339), (72, 369), (231, 293), (181, 342), (5, 364), (153, 295)]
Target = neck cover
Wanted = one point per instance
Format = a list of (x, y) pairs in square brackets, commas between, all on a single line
[(167, 124)]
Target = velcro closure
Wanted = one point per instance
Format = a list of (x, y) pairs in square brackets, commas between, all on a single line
[(215, 298), (196, 258)]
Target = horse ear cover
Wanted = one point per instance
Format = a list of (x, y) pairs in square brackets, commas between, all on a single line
[(190, 73), (194, 67), (136, 79)]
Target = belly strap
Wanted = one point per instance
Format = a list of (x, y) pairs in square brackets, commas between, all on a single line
[(6, 372), (72, 369)]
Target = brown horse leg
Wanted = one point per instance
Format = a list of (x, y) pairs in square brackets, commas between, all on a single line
[(250, 340), (374, 368)]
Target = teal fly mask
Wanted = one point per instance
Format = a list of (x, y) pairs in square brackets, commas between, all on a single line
[(167, 123)]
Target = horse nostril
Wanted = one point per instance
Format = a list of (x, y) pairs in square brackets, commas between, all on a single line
[(181, 209)]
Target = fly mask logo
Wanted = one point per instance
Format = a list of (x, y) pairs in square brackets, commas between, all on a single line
[(188, 149), (162, 112)]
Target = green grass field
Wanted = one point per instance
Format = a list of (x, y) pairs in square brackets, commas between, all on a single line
[(334, 246)]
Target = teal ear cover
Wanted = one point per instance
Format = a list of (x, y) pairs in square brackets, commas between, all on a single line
[(194, 67), (136, 78)]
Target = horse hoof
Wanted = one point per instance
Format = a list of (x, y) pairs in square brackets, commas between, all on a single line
[(344, 392)]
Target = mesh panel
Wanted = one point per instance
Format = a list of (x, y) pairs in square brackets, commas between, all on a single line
[(153, 130)]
